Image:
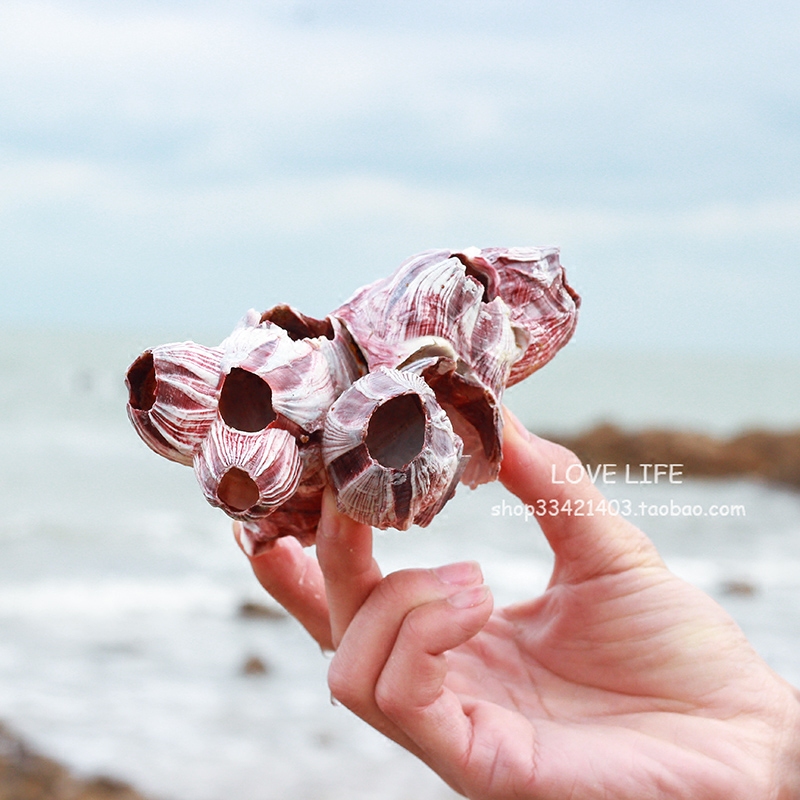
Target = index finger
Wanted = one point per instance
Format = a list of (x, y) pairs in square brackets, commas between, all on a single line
[(344, 552)]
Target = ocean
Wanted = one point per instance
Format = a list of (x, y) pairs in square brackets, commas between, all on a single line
[(121, 642)]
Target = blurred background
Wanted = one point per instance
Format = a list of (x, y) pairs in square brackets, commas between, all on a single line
[(165, 166)]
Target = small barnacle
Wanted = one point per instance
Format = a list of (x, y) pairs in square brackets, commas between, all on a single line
[(248, 474), (173, 391)]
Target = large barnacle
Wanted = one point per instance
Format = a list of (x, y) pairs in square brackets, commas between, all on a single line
[(391, 400)]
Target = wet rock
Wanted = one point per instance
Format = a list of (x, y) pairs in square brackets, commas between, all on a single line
[(253, 610), (27, 775), (739, 588), (255, 665), (773, 456)]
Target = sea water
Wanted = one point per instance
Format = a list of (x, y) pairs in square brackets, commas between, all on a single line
[(121, 645)]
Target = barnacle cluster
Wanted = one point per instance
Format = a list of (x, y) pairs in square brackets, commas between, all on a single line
[(391, 400)]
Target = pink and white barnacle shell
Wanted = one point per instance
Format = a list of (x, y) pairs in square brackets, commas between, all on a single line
[(434, 317), (329, 335), (426, 305), (275, 392), (269, 373), (172, 397), (298, 516), (283, 406), (533, 285), (248, 475), (390, 451)]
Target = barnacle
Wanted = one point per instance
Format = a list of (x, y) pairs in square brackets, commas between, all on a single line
[(391, 400), (390, 450)]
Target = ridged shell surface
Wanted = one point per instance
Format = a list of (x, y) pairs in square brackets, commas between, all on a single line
[(532, 283), (297, 372), (425, 302), (435, 318), (248, 475), (172, 397), (391, 399), (390, 450)]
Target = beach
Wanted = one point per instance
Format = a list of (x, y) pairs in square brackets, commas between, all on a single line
[(135, 644), (28, 775)]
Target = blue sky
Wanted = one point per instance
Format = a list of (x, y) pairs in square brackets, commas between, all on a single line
[(171, 164)]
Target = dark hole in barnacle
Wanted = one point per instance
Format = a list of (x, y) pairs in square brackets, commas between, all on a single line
[(245, 402), (396, 432), (297, 325), (237, 490), (473, 271), (141, 381), (481, 279), (472, 413)]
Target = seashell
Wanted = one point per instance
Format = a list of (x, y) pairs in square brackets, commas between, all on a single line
[(271, 377), (248, 475), (390, 451), (531, 281), (392, 399), (345, 360), (277, 379), (425, 307), (447, 316), (172, 397), (299, 515)]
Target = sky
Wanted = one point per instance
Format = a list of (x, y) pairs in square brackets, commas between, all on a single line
[(169, 165)]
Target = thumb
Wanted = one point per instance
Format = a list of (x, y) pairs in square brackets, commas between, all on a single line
[(588, 539)]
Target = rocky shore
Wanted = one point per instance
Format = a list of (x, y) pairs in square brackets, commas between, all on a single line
[(771, 456), (27, 775)]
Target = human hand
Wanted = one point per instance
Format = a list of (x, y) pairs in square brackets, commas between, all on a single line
[(621, 680)]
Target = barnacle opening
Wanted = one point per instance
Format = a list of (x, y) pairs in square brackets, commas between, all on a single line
[(245, 402), (141, 380), (396, 431), (482, 280), (473, 271), (469, 406), (297, 325), (237, 490)]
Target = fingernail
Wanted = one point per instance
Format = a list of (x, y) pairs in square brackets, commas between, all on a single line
[(251, 545), (511, 419), (237, 534), (469, 598), (244, 541), (329, 521), (463, 573)]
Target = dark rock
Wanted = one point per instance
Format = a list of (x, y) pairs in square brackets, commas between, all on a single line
[(27, 775), (252, 610), (772, 456), (254, 665), (739, 588)]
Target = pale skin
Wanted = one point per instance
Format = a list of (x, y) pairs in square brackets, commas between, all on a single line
[(619, 681)]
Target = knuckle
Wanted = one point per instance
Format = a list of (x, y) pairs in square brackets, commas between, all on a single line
[(397, 587), (342, 686), (388, 700), (415, 629), (407, 588)]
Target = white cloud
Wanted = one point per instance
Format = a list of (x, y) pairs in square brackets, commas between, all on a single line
[(159, 71), (587, 100), (310, 205), (166, 138)]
